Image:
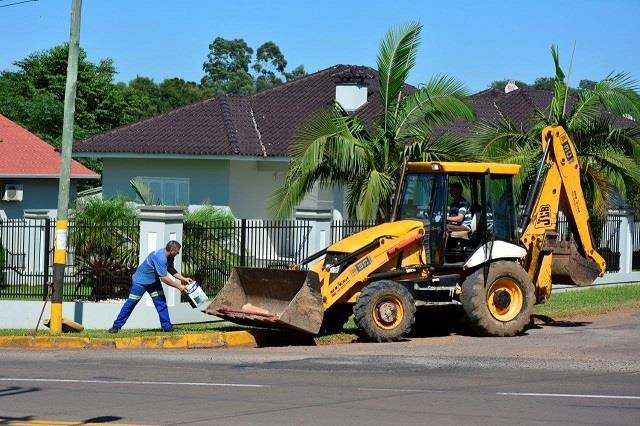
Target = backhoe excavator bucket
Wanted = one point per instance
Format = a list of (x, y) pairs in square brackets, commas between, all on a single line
[(570, 267), (273, 298)]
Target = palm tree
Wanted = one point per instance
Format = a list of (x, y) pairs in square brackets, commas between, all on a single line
[(336, 148), (609, 155)]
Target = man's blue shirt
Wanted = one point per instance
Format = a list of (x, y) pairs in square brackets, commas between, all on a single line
[(153, 267)]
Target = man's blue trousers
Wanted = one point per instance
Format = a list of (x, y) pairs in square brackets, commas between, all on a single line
[(159, 301)]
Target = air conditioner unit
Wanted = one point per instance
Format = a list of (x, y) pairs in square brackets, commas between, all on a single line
[(12, 193)]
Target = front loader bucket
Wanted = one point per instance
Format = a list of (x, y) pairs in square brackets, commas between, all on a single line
[(273, 298), (570, 267)]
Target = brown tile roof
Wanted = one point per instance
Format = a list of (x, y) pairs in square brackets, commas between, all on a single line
[(255, 125), (517, 106)]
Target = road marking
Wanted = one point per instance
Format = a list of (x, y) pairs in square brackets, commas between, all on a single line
[(398, 390), (568, 395), (12, 422), (133, 382)]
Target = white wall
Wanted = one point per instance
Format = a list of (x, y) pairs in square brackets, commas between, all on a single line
[(208, 179), (250, 185)]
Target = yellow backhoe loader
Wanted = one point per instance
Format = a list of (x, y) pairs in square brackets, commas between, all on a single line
[(495, 268)]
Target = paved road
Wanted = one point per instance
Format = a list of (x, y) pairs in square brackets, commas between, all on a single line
[(569, 373)]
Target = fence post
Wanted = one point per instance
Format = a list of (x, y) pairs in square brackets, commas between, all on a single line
[(320, 222), (626, 240), (46, 253), (243, 242), (158, 225)]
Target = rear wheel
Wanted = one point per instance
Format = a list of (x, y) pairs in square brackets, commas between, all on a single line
[(385, 311), (502, 304)]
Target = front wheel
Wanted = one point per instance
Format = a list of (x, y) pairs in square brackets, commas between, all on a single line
[(385, 311), (498, 302)]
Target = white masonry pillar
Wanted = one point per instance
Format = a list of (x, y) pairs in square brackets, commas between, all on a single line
[(159, 225)]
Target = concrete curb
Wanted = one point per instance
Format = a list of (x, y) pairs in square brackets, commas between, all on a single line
[(171, 341)]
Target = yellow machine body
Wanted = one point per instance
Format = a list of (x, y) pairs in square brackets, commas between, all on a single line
[(398, 256)]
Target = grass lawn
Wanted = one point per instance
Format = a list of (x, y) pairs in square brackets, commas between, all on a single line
[(591, 301)]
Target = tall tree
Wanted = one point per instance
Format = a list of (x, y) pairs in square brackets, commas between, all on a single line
[(336, 148), (295, 73), (269, 66), (231, 68), (34, 94), (227, 67), (609, 153)]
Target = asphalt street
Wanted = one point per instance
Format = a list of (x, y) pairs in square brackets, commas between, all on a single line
[(580, 372)]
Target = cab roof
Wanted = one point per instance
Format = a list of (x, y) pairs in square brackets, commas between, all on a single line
[(459, 167)]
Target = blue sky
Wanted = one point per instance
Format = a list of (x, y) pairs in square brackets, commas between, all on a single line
[(474, 41)]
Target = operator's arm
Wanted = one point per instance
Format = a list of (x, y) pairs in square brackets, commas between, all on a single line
[(172, 272), (168, 280), (458, 218)]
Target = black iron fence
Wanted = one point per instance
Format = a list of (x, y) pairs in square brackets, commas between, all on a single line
[(606, 237), (212, 250), (100, 260), (343, 228)]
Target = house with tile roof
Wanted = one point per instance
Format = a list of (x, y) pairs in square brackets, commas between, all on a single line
[(233, 150), (29, 172), (229, 150)]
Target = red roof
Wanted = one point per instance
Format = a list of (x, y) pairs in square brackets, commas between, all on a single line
[(23, 154)]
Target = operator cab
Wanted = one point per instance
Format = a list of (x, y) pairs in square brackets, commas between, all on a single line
[(462, 205)]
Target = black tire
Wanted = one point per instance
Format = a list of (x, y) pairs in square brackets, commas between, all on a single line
[(509, 310), (335, 318), (385, 311)]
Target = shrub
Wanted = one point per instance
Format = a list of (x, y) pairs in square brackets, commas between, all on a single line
[(211, 247), (105, 236)]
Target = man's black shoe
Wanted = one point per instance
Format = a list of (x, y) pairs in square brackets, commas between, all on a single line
[(113, 330), (170, 329)]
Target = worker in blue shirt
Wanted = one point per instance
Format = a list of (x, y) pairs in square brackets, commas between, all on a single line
[(156, 268)]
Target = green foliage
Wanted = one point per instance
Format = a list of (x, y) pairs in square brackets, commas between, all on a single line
[(336, 148), (609, 155), (97, 210), (211, 247), (105, 239), (142, 190), (229, 65), (171, 93)]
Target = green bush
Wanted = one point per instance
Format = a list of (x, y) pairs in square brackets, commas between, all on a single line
[(210, 247), (105, 238)]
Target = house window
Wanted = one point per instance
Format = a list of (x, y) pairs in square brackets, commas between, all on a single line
[(168, 191)]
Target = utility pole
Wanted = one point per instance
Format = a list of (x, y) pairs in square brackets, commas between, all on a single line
[(62, 222)]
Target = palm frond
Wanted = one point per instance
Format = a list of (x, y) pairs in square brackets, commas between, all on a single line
[(616, 94), (378, 187), (142, 190), (444, 147), (441, 100), (396, 58), (556, 109), (500, 137)]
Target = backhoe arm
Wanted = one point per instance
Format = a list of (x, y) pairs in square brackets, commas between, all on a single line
[(558, 184)]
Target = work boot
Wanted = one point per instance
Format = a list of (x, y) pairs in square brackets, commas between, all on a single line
[(113, 330)]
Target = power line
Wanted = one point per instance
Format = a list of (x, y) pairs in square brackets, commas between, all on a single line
[(16, 3)]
